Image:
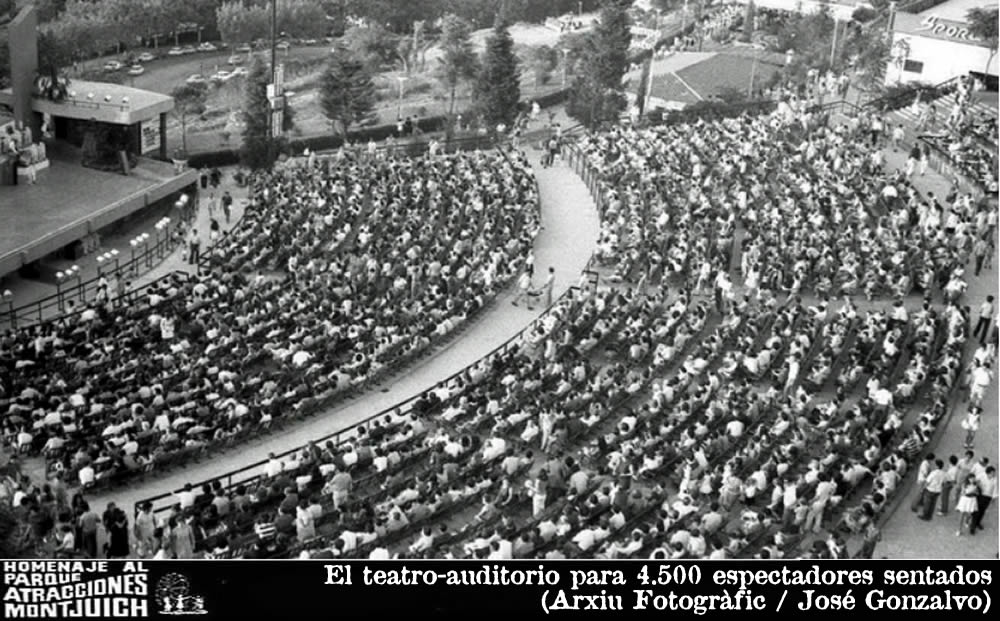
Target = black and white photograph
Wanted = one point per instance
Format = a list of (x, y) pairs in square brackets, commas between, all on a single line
[(531, 306)]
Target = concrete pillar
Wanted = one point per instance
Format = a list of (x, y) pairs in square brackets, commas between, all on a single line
[(163, 136)]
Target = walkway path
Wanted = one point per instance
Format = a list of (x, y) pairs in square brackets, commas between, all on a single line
[(904, 535), (568, 237)]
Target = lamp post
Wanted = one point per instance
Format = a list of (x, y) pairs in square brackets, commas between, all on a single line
[(114, 255), (100, 265), (399, 108), (145, 249), (59, 292), (74, 272), (134, 243), (8, 297), (271, 156)]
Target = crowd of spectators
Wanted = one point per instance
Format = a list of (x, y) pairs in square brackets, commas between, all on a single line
[(819, 208), (338, 272)]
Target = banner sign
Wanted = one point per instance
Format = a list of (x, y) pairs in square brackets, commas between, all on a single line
[(150, 136), (936, 27), (338, 589)]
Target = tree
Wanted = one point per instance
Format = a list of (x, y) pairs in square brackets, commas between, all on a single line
[(458, 58), (189, 100), (748, 17), (542, 61), (498, 88), (644, 84), (373, 45), (347, 92), (256, 114), (983, 24), (598, 94)]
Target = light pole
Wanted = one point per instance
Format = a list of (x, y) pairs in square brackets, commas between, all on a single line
[(134, 243), (145, 249), (74, 272), (8, 297), (59, 292), (399, 108), (274, 80)]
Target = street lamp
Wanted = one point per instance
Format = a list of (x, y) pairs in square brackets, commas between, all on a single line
[(565, 52), (134, 243), (74, 272), (8, 297), (59, 292), (399, 108), (145, 249)]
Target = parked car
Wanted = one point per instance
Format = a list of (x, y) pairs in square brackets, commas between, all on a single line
[(196, 79), (136, 70), (283, 45), (235, 59), (146, 57), (176, 51), (113, 65), (309, 42), (189, 49), (207, 47), (244, 48), (221, 76), (239, 72)]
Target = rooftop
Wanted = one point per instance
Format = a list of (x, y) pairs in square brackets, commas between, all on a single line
[(102, 101), (955, 10)]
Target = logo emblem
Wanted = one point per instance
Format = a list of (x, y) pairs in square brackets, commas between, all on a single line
[(173, 594)]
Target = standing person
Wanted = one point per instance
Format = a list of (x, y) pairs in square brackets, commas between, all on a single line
[(548, 286), (524, 288), (971, 425), (987, 487), (538, 488), (216, 177), (118, 534), (88, 522), (194, 246), (145, 529), (872, 536), (967, 505), (932, 489), (950, 478), (898, 134), (227, 205), (985, 317), (925, 469), (182, 539), (980, 251), (215, 232)]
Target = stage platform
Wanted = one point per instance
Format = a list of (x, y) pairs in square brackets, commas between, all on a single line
[(70, 202)]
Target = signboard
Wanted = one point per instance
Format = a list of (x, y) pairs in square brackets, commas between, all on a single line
[(934, 27), (150, 133)]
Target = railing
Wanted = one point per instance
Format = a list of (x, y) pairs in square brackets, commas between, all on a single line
[(250, 474), (53, 306)]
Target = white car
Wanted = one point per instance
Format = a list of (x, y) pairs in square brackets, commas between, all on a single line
[(235, 59), (113, 65), (207, 47), (309, 41), (176, 51), (239, 72), (136, 70), (283, 45), (188, 49), (146, 57), (221, 76), (196, 79), (244, 48)]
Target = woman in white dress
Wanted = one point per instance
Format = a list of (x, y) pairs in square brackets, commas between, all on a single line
[(967, 504)]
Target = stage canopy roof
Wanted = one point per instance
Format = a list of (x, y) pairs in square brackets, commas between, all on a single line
[(101, 101)]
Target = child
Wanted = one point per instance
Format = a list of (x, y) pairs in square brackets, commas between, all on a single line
[(968, 504), (971, 425)]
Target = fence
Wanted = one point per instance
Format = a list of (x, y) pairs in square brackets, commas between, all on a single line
[(53, 306)]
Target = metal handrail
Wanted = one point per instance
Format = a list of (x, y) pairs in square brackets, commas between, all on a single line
[(404, 406), (35, 312)]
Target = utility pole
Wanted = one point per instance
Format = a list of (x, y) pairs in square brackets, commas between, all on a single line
[(272, 130)]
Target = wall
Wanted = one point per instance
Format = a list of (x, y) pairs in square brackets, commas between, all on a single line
[(942, 60)]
